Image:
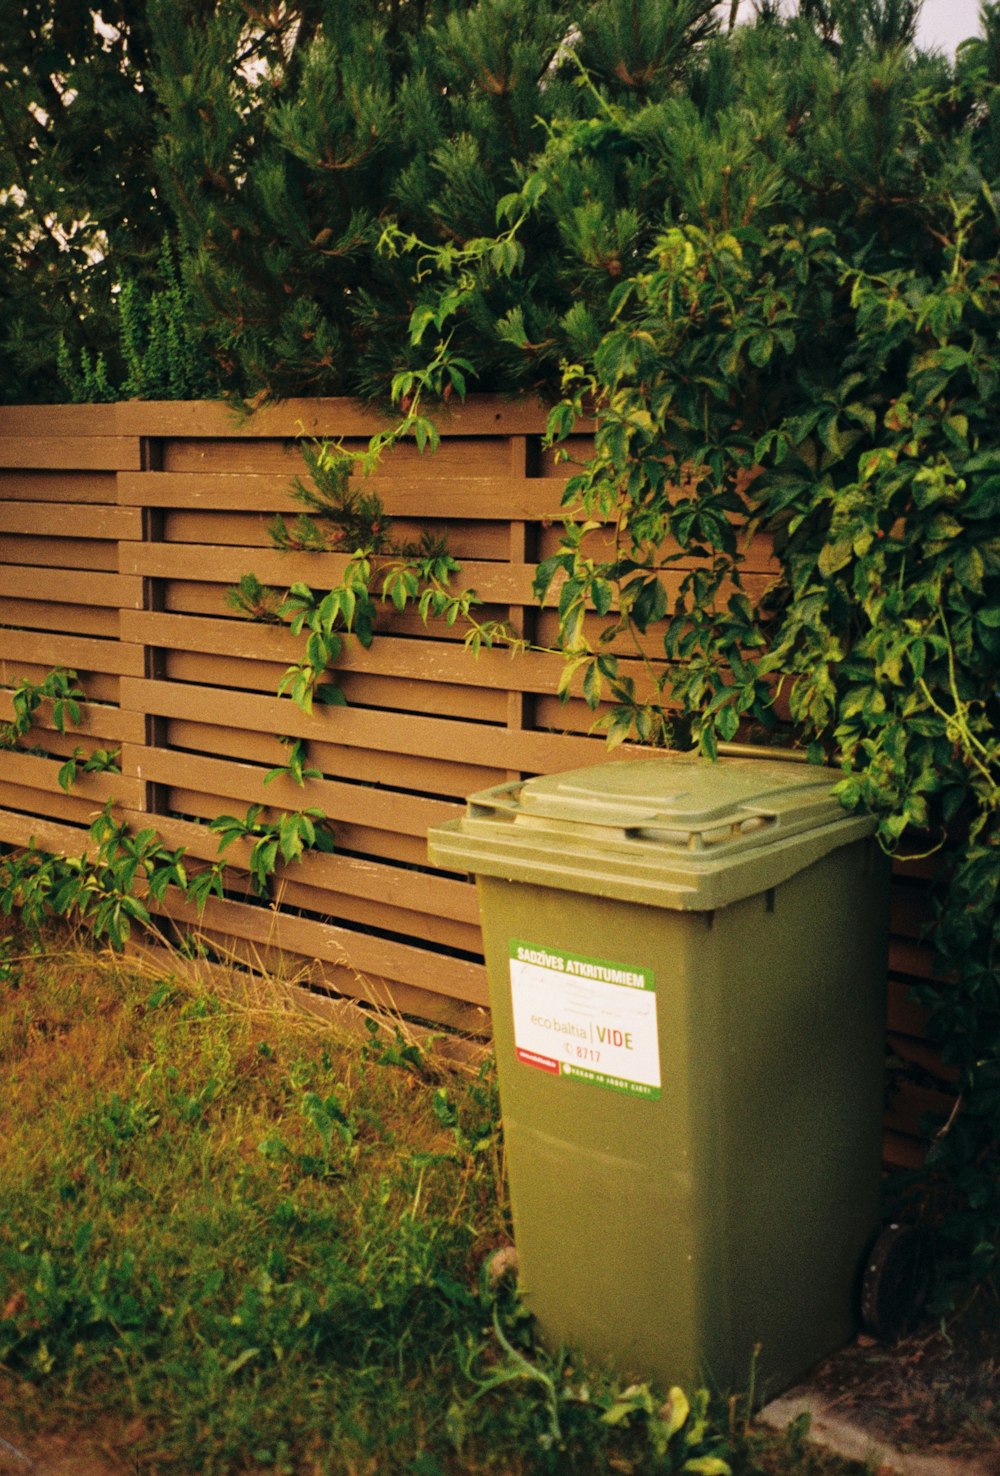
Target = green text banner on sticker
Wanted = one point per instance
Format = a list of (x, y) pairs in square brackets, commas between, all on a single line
[(586, 1018)]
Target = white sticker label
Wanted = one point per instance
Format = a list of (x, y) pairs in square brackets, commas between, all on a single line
[(585, 1018)]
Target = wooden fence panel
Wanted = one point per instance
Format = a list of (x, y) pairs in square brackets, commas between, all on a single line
[(61, 595), (121, 528)]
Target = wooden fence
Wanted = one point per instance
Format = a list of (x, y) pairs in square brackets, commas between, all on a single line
[(121, 528)]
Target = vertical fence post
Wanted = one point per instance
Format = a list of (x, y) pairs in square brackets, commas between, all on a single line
[(521, 549), (152, 658)]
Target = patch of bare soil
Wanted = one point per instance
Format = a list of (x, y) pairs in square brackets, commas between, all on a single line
[(34, 1441), (60, 1455), (934, 1392)]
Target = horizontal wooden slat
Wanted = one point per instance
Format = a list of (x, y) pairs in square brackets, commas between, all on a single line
[(60, 420), (74, 587), (44, 834), (47, 615), (72, 808), (78, 653), (419, 659), (465, 538), (394, 694), (464, 742), (420, 772), (413, 891), (74, 487), (908, 957), (62, 519), (83, 453), (31, 771), (100, 686), (426, 497), (390, 998), (492, 581), (459, 456), (95, 720), (69, 554), (899, 1151), (72, 743), (379, 915), (352, 803), (479, 415), (435, 972), (909, 1105), (904, 1014), (183, 597), (376, 844)]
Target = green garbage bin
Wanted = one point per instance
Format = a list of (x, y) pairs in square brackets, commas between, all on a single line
[(687, 968)]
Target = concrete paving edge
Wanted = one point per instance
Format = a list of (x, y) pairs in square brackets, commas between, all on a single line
[(851, 1441)]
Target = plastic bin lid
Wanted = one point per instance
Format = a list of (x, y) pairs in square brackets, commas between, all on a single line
[(676, 830), (687, 801)]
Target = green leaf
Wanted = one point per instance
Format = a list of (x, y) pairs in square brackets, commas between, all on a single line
[(727, 722), (240, 1361), (675, 1411), (829, 434), (547, 571), (602, 594), (67, 771), (425, 433), (592, 685), (618, 1413), (650, 604), (835, 556), (421, 318), (969, 569)]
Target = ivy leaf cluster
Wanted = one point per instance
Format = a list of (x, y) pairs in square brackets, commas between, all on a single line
[(58, 690), (287, 838)]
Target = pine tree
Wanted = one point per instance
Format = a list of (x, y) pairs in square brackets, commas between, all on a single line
[(78, 206), (282, 176), (284, 173)]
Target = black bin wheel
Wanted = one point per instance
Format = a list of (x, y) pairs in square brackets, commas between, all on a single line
[(897, 1280)]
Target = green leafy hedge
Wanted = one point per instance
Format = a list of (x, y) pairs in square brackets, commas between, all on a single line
[(271, 147)]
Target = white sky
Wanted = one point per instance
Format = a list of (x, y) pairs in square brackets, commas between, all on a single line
[(943, 23)]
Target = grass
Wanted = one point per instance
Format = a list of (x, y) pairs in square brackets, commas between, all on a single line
[(233, 1240)]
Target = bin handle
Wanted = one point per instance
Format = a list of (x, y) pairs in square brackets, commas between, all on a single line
[(703, 837), (499, 799)]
